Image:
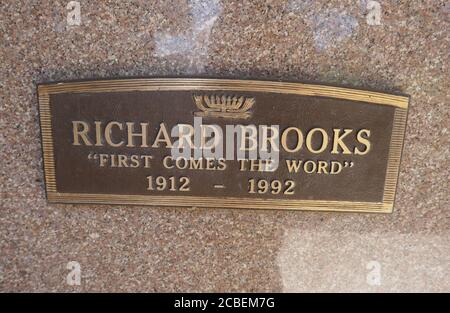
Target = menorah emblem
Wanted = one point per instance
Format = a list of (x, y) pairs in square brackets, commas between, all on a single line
[(223, 106)]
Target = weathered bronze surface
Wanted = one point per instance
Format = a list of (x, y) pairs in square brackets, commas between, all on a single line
[(110, 142)]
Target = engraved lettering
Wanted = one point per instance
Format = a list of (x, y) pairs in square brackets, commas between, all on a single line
[(162, 137), (338, 141), (324, 142), (108, 133), (77, 133), (142, 134), (360, 137), (299, 144)]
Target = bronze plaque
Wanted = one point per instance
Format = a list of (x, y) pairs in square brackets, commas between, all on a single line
[(221, 143)]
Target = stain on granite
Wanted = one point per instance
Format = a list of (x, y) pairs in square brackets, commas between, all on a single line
[(192, 43)]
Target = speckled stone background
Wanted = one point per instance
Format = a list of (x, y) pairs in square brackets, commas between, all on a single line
[(136, 248)]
